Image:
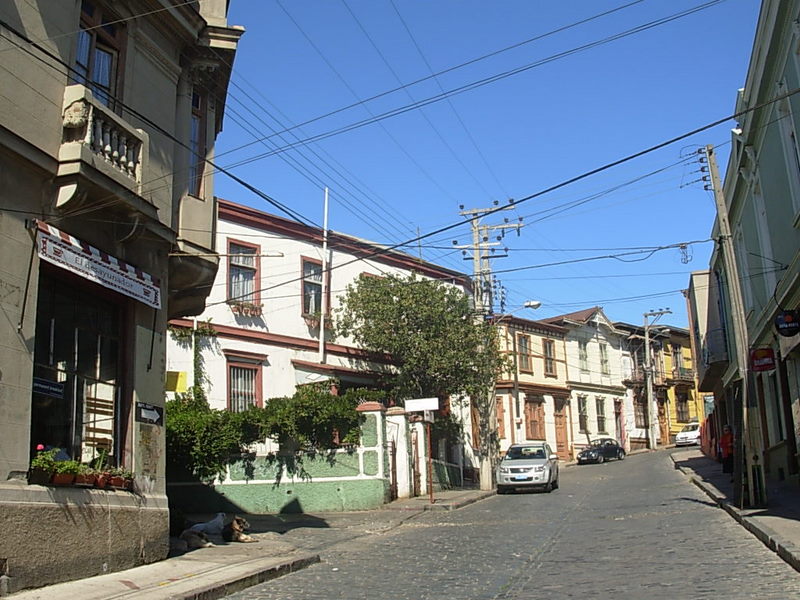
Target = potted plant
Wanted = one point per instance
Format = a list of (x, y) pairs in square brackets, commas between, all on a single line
[(65, 472), (43, 466), (86, 477), (120, 478)]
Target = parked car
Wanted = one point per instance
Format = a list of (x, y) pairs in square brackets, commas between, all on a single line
[(689, 435), (529, 465), (601, 450)]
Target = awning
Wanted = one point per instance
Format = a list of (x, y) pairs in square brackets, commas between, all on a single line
[(67, 252)]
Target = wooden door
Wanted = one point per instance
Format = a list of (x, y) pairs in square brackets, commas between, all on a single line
[(562, 441)]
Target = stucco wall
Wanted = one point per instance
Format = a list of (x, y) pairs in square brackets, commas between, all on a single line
[(59, 534)]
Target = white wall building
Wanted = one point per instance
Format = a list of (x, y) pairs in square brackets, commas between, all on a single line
[(595, 351), (266, 304)]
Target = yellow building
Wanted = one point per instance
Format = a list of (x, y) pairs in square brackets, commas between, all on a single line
[(684, 404)]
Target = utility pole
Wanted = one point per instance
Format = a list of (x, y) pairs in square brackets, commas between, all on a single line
[(482, 253), (652, 408), (747, 467)]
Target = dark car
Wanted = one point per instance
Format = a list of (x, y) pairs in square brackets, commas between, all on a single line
[(601, 450)]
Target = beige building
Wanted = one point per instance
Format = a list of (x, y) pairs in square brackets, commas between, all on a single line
[(108, 112), (533, 397)]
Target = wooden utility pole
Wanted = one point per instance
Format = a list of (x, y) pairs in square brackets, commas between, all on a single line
[(748, 471)]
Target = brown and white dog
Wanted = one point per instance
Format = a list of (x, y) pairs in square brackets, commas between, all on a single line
[(235, 531)]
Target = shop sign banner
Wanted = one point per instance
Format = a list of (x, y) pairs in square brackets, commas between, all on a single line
[(67, 252), (762, 359), (787, 323)]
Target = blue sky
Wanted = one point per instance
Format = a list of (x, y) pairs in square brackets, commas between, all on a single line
[(566, 112)]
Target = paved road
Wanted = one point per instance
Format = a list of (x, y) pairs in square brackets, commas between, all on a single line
[(633, 529)]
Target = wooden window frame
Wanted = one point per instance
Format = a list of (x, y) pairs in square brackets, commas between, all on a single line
[(640, 413), (501, 416), (198, 148), (605, 365), (255, 296), (583, 356), (524, 358), (600, 410), (327, 287), (92, 25), (549, 357), (583, 415), (251, 362)]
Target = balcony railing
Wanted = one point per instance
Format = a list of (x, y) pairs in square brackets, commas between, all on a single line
[(95, 135), (683, 374)]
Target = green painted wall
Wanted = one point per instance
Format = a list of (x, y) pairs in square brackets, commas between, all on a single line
[(270, 498)]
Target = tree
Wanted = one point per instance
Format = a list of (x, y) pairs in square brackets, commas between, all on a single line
[(429, 329)]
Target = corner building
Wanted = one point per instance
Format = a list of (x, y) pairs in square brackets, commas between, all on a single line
[(108, 113)]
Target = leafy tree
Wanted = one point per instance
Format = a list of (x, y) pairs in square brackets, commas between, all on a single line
[(430, 330)]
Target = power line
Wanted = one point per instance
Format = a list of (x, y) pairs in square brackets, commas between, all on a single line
[(459, 66), (477, 84)]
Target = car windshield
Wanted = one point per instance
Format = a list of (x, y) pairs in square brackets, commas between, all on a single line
[(689, 428), (525, 452)]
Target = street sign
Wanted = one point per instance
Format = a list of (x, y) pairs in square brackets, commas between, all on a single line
[(420, 404), (428, 416), (149, 413), (762, 359)]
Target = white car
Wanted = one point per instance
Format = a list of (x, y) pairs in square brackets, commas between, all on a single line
[(689, 435), (528, 465)]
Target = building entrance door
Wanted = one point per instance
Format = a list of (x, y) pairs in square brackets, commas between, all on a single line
[(562, 440)]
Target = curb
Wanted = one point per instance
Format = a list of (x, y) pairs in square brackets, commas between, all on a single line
[(787, 551), (224, 588)]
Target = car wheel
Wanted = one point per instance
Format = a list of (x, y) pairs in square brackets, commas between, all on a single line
[(621, 454), (501, 489), (555, 483), (600, 459), (549, 487)]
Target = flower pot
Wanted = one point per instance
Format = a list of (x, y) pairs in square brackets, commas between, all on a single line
[(63, 479), (102, 480), (85, 479), (115, 481), (39, 476)]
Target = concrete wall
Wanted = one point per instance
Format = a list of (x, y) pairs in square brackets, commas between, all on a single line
[(346, 479)]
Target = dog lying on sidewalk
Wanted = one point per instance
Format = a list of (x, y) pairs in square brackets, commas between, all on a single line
[(197, 536), (235, 531)]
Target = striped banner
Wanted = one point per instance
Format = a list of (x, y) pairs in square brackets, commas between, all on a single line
[(70, 253)]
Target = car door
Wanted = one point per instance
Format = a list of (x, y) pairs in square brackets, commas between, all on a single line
[(609, 449), (552, 463)]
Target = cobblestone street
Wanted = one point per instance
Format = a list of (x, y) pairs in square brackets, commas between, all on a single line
[(631, 529)]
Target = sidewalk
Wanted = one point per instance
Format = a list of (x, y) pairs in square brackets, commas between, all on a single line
[(778, 525), (287, 542)]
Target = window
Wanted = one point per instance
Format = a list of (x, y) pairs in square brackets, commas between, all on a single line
[(640, 412), (243, 272), (97, 57), (583, 415), (549, 351), (77, 374), (197, 144), (524, 353), (244, 379), (534, 420), (583, 357), (682, 405), (312, 287), (604, 359), (242, 388), (501, 417), (600, 405)]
